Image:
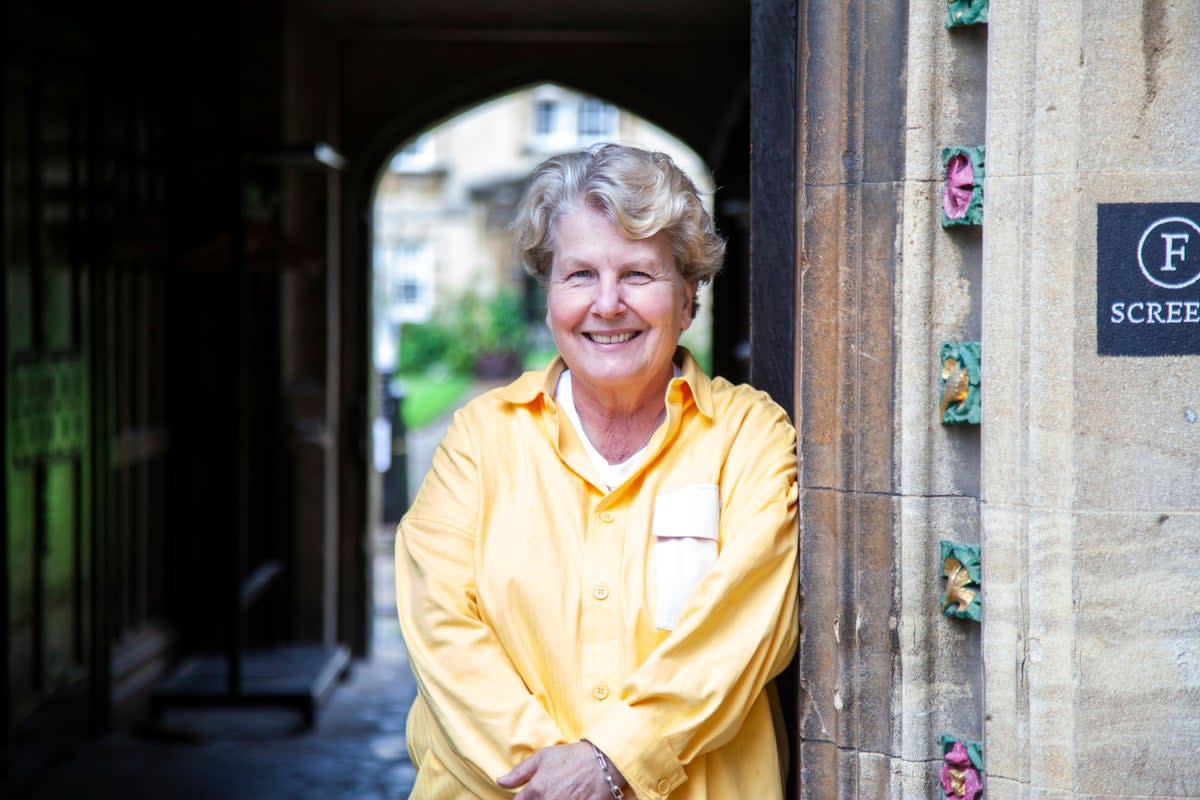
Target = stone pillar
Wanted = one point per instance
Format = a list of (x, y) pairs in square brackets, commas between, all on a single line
[(850, 140), (1091, 472)]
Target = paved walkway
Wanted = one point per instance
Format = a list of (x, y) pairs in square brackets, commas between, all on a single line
[(356, 751)]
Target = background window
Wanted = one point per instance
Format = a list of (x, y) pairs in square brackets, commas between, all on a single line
[(596, 118), (408, 266), (545, 117)]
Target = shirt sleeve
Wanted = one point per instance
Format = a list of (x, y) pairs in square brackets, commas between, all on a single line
[(736, 632), (480, 703)]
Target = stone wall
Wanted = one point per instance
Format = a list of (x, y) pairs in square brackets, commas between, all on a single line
[(1079, 485), (1091, 535)]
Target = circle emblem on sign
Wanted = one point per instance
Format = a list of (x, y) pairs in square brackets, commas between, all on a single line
[(1169, 252)]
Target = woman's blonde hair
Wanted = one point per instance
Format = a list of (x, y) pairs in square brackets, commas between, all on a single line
[(643, 192)]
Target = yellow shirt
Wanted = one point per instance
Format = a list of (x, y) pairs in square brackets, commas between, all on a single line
[(535, 611)]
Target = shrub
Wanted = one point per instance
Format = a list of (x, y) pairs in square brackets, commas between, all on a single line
[(423, 344), (469, 329)]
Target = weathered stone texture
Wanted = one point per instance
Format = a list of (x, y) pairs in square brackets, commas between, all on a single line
[(1090, 530), (1080, 484)]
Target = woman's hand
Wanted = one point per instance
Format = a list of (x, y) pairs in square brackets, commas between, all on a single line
[(561, 772)]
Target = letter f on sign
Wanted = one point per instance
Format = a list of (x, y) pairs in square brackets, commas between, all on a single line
[(1171, 250)]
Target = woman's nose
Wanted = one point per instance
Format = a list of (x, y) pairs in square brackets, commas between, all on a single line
[(609, 299)]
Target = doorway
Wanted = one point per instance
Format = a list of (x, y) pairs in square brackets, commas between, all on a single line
[(453, 312)]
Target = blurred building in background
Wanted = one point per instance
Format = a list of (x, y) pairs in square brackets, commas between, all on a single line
[(446, 198)]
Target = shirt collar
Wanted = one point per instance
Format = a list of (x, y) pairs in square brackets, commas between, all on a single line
[(532, 385)]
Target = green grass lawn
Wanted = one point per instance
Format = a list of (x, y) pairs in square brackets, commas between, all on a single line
[(428, 396)]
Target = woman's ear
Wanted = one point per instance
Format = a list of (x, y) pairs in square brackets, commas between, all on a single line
[(689, 307)]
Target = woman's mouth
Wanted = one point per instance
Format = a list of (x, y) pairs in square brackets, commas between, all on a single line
[(610, 338)]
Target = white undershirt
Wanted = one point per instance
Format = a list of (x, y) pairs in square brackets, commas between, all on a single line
[(611, 474)]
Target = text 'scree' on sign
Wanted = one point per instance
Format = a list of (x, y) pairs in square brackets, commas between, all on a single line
[(1148, 279)]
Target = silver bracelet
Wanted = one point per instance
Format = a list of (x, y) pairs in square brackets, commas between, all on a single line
[(612, 787)]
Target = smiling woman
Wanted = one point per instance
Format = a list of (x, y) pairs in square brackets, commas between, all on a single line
[(597, 580), (616, 307)]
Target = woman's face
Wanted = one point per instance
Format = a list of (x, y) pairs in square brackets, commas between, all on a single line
[(616, 306)]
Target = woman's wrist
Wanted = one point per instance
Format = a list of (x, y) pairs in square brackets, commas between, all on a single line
[(614, 784)]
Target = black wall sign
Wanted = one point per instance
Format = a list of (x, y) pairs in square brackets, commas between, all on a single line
[(1148, 279)]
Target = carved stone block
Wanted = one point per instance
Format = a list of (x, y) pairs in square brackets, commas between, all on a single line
[(960, 567), (962, 764), (962, 186), (959, 381), (966, 12)]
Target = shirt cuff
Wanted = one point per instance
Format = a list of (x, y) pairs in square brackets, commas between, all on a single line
[(632, 746)]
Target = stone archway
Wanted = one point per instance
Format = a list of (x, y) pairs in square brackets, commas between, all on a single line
[(366, 79)]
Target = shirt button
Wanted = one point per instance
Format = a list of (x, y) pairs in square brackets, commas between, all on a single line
[(600, 692), (600, 592), (606, 517), (663, 786)]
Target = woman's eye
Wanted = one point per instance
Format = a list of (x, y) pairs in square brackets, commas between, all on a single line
[(580, 274), (637, 277)]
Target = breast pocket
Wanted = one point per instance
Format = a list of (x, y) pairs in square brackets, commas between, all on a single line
[(685, 547)]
